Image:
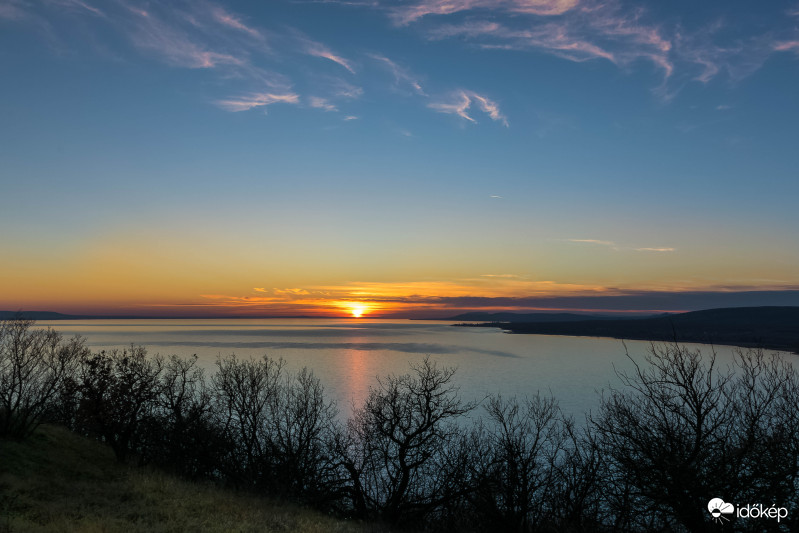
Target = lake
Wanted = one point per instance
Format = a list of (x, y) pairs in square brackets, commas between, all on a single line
[(348, 354)]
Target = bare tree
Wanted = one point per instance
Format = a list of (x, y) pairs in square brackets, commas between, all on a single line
[(303, 422), (396, 449), (683, 431), (245, 392), (34, 363), (182, 436), (118, 393), (519, 452), (578, 500)]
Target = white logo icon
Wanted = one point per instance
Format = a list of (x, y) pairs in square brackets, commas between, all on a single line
[(717, 508)]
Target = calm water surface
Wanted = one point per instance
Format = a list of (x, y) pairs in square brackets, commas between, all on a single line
[(348, 354)]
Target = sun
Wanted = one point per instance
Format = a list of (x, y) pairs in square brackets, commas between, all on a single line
[(357, 312)]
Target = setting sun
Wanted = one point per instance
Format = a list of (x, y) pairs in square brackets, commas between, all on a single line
[(357, 312)]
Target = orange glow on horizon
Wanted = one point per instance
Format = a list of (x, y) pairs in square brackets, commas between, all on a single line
[(371, 299)]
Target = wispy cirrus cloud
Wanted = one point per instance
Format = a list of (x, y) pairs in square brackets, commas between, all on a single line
[(596, 32), (655, 249), (317, 49), (80, 5), (611, 30), (401, 74), (177, 49), (232, 21), (202, 35), (786, 46), (177, 37), (251, 101), (593, 241), (460, 103), (321, 103), (341, 89), (408, 13), (617, 248), (12, 10)]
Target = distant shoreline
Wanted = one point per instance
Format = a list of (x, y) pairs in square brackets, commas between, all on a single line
[(510, 331), (771, 328), (50, 315)]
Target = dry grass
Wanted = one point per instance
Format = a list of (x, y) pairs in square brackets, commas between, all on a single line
[(57, 481)]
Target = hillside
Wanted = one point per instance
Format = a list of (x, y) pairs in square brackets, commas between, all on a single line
[(774, 328), (56, 481), (525, 317)]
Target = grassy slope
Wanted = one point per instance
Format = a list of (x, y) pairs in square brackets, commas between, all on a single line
[(57, 481)]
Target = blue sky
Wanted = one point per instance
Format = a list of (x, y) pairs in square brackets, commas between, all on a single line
[(185, 154)]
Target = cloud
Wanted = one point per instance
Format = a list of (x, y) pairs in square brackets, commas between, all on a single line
[(496, 292), (602, 32), (582, 30), (593, 241), (459, 106), (317, 49), (12, 10), (350, 117), (291, 292), (401, 75), (339, 88), (321, 103), (175, 45), (553, 37), (460, 103), (489, 107), (410, 13), (198, 35), (232, 21), (257, 100), (618, 248), (78, 4), (786, 46)]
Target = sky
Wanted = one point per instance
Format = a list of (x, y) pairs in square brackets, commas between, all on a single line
[(397, 158)]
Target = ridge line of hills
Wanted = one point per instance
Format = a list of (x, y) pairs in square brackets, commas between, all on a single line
[(771, 327)]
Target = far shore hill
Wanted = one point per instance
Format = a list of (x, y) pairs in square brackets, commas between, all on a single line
[(773, 328)]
